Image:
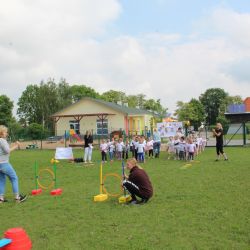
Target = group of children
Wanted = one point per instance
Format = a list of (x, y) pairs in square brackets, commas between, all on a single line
[(138, 147), (180, 147)]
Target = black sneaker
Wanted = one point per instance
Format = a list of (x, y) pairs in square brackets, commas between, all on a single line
[(21, 198)]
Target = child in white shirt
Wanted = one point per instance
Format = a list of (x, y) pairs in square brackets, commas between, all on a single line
[(170, 148), (104, 149), (120, 146), (191, 149), (182, 148), (140, 151), (149, 147), (111, 149)]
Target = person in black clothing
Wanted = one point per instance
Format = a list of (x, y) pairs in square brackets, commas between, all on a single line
[(88, 141), (218, 134), (137, 183)]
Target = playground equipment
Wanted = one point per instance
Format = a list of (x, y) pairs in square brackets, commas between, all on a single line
[(15, 239), (71, 134), (52, 183), (125, 198), (101, 196)]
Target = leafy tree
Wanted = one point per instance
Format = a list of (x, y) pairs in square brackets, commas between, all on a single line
[(16, 131), (191, 111), (155, 106), (132, 101), (6, 107), (48, 102), (37, 103), (199, 114), (140, 100), (28, 105), (213, 102), (64, 94), (80, 91), (114, 96), (36, 131)]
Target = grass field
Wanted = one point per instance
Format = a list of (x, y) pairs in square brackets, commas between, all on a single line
[(205, 206)]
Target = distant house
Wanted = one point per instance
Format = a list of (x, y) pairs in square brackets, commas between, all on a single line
[(102, 118), (247, 104), (239, 113)]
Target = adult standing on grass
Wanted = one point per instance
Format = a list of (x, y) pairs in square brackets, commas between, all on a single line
[(88, 146), (6, 169), (137, 183), (218, 134)]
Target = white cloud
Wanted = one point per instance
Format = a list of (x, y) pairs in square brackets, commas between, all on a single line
[(41, 39), (233, 25)]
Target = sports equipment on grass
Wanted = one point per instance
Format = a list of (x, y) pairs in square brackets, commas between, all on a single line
[(125, 198), (101, 196), (53, 183)]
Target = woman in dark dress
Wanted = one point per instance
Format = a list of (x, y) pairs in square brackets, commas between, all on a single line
[(218, 134)]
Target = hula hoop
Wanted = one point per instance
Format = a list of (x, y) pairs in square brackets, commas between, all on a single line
[(51, 174), (105, 190)]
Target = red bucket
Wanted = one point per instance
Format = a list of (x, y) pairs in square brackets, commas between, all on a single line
[(20, 240)]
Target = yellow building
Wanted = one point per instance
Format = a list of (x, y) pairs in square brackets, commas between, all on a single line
[(102, 118)]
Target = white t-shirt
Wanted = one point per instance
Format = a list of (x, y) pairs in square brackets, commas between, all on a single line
[(140, 148), (104, 147), (191, 148)]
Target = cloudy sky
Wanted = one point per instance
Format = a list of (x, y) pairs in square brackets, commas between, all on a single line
[(168, 49)]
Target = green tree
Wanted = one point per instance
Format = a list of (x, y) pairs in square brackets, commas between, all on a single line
[(28, 105), (155, 106), (6, 107), (132, 101), (37, 103), (114, 96), (80, 91), (191, 111), (213, 101), (64, 94), (36, 131), (140, 100)]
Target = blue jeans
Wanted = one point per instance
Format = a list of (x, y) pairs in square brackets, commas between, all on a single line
[(7, 170), (157, 147), (111, 155), (140, 157)]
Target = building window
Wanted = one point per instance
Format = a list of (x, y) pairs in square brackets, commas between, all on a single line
[(75, 125), (102, 127)]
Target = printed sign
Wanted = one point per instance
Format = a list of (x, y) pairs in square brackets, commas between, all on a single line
[(63, 153)]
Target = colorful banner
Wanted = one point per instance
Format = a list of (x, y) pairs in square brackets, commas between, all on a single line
[(167, 129)]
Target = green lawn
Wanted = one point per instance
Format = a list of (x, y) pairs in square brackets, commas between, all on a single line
[(205, 206)]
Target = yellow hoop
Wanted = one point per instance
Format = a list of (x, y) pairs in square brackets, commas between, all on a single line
[(51, 174), (105, 190)]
